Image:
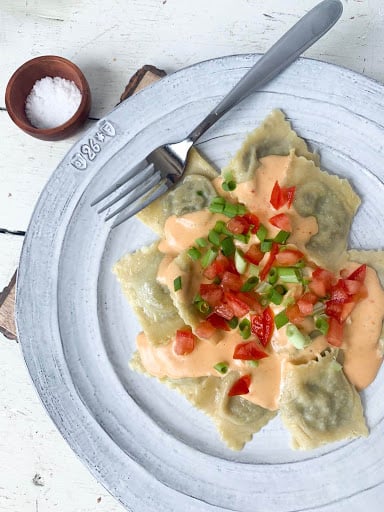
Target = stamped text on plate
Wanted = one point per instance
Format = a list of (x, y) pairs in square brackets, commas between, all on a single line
[(88, 152)]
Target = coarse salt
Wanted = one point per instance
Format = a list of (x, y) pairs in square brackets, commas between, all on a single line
[(52, 102)]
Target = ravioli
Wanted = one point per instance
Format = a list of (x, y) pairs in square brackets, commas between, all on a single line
[(318, 405), (150, 301), (236, 419), (194, 192), (333, 203), (274, 136)]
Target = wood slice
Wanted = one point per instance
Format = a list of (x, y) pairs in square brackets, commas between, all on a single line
[(143, 77), (7, 309)]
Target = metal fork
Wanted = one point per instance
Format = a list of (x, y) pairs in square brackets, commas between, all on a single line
[(164, 166)]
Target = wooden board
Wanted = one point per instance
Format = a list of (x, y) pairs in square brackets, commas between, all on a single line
[(145, 76)]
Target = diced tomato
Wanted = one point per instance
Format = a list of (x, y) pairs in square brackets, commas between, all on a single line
[(254, 254), (338, 310), (218, 322), (277, 199), (262, 326), (339, 292), (267, 267), (318, 287), (238, 225), (184, 342), (288, 257), (334, 309), (253, 301), (335, 332), (306, 303), (281, 196), (238, 306), (211, 293), (253, 221), (205, 330), (353, 287), (217, 267), (359, 274), (294, 314), (322, 281), (241, 386), (231, 281), (281, 221), (249, 351), (290, 192), (325, 275), (225, 311)]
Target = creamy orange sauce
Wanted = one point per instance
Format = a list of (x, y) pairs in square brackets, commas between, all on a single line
[(362, 358), (256, 196)]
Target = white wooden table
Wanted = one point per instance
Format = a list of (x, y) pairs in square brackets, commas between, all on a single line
[(109, 40)]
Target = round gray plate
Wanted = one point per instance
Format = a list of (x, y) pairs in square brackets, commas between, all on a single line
[(144, 442)]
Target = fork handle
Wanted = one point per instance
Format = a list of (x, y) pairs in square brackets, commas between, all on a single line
[(286, 50)]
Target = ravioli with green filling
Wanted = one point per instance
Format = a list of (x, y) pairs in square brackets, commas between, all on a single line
[(150, 301), (318, 405), (194, 192)]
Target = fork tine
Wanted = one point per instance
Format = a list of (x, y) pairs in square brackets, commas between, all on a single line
[(159, 191), (139, 192), (132, 183), (119, 183)]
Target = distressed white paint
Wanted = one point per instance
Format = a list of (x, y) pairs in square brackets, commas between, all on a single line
[(109, 40)]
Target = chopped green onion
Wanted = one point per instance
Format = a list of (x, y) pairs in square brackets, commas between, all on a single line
[(281, 289), (233, 322), (322, 324), (244, 238), (273, 276), (203, 307), (227, 246), (318, 308), (240, 263), (250, 284), (282, 237), (229, 186), (177, 284), (289, 274), (241, 209), (201, 242), (214, 237), (221, 368), (275, 297), (261, 233), (253, 270), (281, 319), (253, 363), (217, 205), (335, 365), (219, 226), (245, 328), (230, 210), (264, 301), (297, 338), (208, 257), (263, 287), (266, 245), (197, 298), (194, 253), (216, 280), (199, 193)]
